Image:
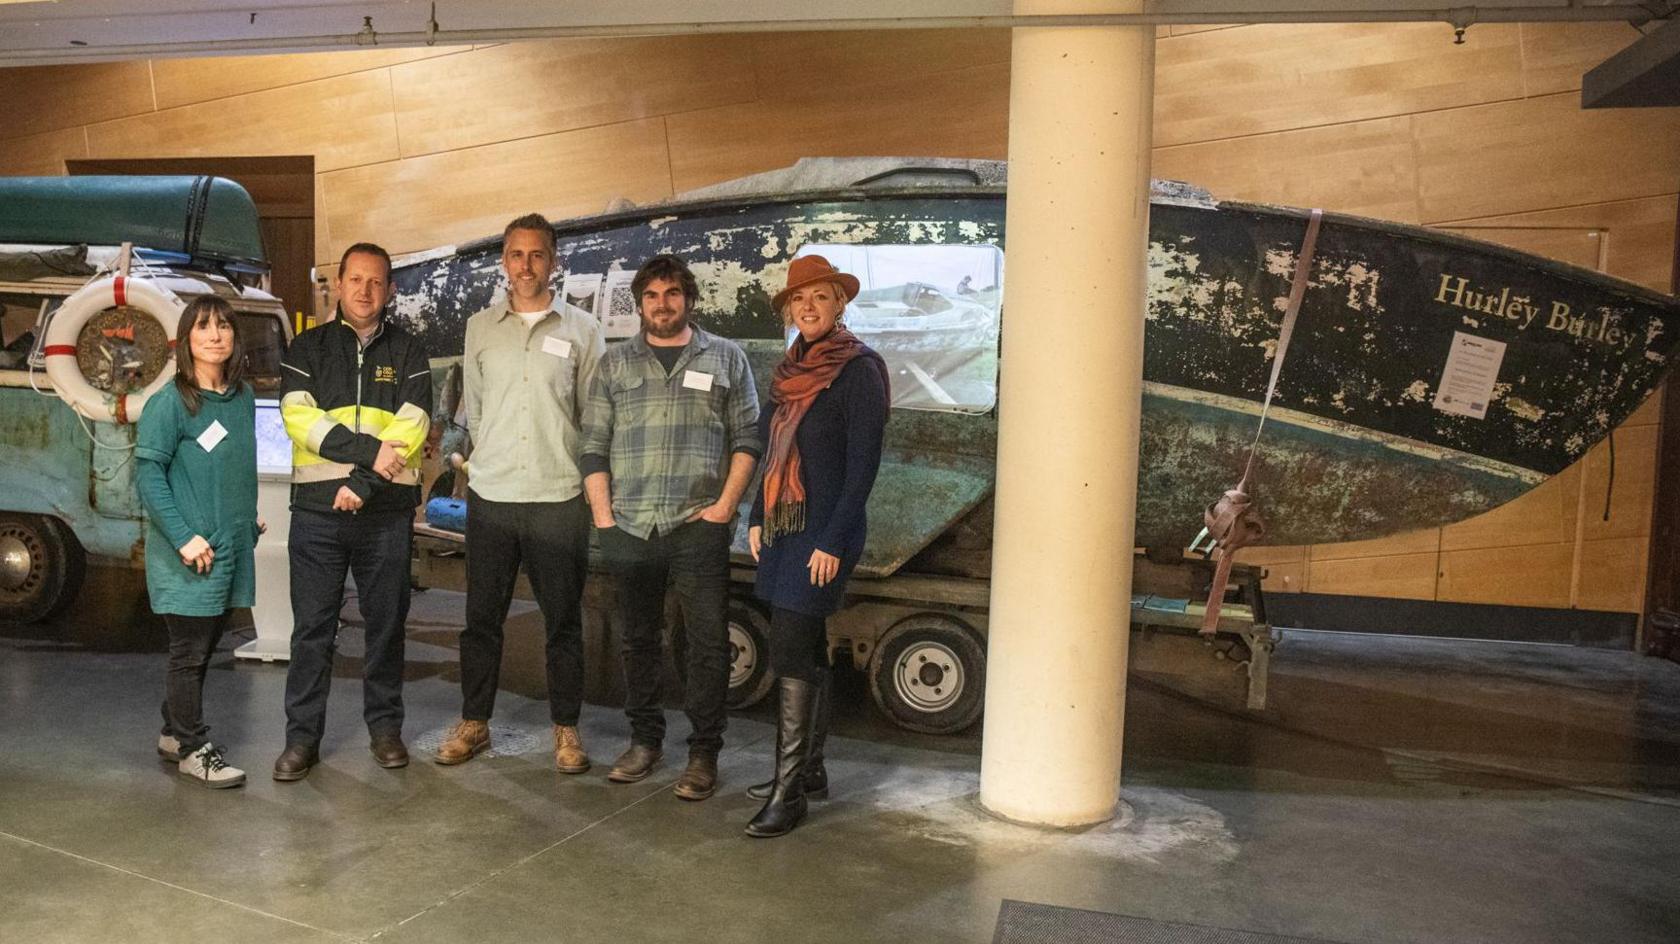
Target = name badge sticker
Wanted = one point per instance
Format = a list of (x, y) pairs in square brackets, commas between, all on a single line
[(559, 347), (212, 435), (695, 380)]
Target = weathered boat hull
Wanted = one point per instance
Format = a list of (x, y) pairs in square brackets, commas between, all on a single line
[(1358, 445)]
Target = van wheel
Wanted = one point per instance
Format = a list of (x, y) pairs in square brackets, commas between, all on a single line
[(928, 674), (41, 567)]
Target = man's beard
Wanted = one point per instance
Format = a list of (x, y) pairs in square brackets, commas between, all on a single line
[(654, 329)]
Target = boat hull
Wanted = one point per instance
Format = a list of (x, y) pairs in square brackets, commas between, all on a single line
[(1358, 446)]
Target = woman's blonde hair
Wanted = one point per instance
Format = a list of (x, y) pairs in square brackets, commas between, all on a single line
[(787, 306)]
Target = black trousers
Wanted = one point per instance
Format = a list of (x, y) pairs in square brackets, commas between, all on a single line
[(374, 547), (192, 641), (551, 540), (693, 559), (798, 645)]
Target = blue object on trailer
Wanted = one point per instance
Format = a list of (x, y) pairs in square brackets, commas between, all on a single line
[(447, 514)]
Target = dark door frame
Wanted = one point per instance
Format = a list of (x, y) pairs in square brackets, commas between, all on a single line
[(1662, 569)]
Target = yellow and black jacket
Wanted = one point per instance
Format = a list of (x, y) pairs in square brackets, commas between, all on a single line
[(341, 400)]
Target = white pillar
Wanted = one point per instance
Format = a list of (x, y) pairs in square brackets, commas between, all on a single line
[(1080, 106)]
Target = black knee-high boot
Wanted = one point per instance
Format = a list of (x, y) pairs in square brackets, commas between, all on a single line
[(816, 774), (786, 805)]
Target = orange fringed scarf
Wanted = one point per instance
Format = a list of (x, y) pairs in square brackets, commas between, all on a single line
[(806, 371)]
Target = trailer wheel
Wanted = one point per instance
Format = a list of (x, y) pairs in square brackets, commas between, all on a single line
[(929, 675), (750, 676), (41, 567)]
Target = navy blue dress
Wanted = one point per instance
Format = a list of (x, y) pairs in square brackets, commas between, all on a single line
[(840, 451)]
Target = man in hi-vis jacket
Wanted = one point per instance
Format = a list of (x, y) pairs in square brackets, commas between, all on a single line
[(356, 400)]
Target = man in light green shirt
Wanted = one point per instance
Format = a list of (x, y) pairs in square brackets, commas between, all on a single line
[(530, 359)]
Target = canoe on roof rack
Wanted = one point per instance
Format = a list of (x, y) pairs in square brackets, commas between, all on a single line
[(206, 220)]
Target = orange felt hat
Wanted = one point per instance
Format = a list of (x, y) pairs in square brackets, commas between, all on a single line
[(807, 270)]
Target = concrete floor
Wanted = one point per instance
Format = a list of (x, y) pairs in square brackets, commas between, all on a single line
[(1397, 790)]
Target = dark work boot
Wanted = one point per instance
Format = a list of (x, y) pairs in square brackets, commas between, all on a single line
[(816, 775), (786, 805)]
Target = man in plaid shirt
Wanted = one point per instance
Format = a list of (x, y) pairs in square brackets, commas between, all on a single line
[(670, 441)]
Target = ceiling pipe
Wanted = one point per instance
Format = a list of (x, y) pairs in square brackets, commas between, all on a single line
[(1636, 14)]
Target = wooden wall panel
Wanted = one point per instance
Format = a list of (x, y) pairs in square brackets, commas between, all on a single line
[(1225, 83), (1574, 245), (343, 122), (41, 155), (401, 205), (1541, 153), (1638, 234), (188, 81), (1532, 575), (1545, 515), (953, 114), (1613, 575), (1633, 490), (847, 62), (1421, 541), (1185, 29), (530, 89), (1400, 576), (1366, 167), (34, 99), (1286, 566), (1556, 55)]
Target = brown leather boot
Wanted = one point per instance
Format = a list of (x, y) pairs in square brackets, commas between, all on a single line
[(699, 778), (569, 755), (388, 750), (466, 740), (635, 764)]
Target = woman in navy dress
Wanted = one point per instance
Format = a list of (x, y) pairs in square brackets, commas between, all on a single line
[(823, 429)]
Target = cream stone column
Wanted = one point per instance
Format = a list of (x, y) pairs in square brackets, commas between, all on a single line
[(1080, 105)]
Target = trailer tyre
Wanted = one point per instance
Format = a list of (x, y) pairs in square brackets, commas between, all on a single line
[(928, 674), (750, 675), (41, 567)]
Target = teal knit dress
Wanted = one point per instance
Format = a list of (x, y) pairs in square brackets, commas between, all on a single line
[(198, 475)]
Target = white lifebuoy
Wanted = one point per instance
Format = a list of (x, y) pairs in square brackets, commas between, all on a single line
[(66, 328)]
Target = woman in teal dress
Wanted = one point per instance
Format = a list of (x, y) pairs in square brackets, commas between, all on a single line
[(197, 475)]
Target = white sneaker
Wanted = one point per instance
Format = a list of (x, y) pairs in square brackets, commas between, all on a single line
[(168, 748), (206, 766)]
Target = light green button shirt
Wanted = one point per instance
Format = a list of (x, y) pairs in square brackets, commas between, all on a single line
[(524, 389)]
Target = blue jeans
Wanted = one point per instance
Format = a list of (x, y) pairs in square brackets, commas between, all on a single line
[(374, 547)]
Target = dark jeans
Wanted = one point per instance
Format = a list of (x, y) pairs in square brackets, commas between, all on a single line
[(693, 560), (192, 641), (373, 547), (798, 645), (551, 540)]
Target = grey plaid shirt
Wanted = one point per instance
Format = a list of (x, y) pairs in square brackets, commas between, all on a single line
[(667, 440)]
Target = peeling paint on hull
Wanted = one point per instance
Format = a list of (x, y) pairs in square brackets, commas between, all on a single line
[(1356, 448)]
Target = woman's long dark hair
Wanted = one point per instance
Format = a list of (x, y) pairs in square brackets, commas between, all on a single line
[(197, 312)]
